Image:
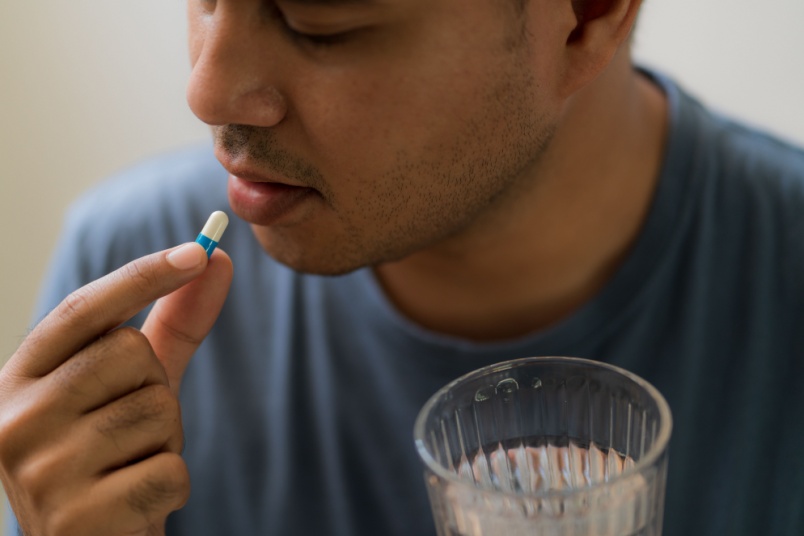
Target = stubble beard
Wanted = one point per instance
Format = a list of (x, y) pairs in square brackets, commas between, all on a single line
[(475, 177), (486, 171)]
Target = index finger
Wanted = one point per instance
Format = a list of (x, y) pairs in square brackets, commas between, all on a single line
[(104, 304)]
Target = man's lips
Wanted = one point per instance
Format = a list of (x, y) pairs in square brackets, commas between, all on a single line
[(257, 177), (264, 202)]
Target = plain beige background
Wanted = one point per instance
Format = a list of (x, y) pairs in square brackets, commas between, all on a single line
[(90, 86)]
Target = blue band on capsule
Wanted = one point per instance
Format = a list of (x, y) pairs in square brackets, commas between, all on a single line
[(207, 242)]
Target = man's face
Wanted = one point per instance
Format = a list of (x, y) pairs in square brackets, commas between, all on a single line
[(399, 124)]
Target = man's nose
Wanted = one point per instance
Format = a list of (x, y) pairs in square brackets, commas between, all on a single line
[(234, 73)]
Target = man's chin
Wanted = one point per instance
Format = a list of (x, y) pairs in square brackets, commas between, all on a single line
[(318, 257)]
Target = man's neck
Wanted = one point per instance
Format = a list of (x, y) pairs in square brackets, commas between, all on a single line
[(562, 240)]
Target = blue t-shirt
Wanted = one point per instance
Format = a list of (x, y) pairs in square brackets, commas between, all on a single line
[(298, 408)]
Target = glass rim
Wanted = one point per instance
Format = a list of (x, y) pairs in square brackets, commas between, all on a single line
[(650, 457)]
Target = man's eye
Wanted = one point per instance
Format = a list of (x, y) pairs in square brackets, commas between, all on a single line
[(316, 39)]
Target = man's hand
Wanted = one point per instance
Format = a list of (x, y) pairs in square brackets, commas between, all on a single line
[(90, 425)]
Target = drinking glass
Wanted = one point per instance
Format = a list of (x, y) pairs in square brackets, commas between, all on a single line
[(553, 446)]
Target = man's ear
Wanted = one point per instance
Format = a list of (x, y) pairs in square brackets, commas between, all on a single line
[(601, 29)]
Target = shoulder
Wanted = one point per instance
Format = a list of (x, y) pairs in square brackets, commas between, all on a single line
[(756, 187), (735, 159), (732, 178), (750, 206), (758, 161), (743, 178), (759, 192), (734, 202)]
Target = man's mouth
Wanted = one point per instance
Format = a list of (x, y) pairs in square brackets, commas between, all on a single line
[(264, 201), (260, 177), (269, 187)]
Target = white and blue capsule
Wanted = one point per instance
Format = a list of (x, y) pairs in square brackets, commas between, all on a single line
[(213, 230)]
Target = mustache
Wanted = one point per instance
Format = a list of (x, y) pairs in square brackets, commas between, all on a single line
[(260, 148)]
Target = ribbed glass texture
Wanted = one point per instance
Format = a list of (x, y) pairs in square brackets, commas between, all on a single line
[(549, 446)]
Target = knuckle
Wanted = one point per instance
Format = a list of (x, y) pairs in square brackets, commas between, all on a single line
[(166, 488), (80, 374), (68, 376), (134, 349), (175, 442), (35, 477), (162, 402), (129, 340), (73, 517), (77, 305), (142, 279), (153, 404), (9, 424), (62, 521), (16, 425), (175, 470)]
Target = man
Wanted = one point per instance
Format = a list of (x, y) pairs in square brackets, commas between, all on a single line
[(489, 179)]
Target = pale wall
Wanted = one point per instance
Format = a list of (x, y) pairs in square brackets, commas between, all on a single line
[(90, 86)]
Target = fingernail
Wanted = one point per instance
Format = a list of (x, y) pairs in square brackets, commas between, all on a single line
[(187, 256)]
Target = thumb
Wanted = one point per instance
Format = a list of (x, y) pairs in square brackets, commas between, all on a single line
[(178, 322)]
